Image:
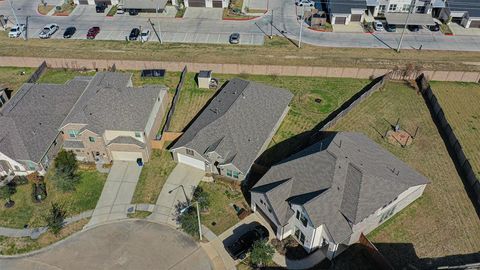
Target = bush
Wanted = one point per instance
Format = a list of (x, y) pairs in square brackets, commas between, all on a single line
[(20, 180), (66, 166), (189, 222), (262, 253), (55, 218), (202, 197)]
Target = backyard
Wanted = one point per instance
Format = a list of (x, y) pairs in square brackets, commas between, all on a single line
[(443, 222), (460, 104), (13, 77)]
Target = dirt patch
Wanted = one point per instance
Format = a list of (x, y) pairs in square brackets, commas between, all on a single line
[(400, 138)]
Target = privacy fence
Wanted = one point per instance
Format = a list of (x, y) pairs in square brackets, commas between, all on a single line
[(471, 182), (38, 72)]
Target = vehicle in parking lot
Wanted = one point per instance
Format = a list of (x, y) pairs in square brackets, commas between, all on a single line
[(48, 30), (240, 248), (307, 3), (234, 38), (133, 12), (69, 32), (134, 34), (391, 27), (145, 35), (100, 7), (120, 9), (93, 32), (413, 28), (434, 28), (378, 26), (16, 30)]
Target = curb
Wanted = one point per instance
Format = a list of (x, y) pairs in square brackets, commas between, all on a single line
[(240, 19)]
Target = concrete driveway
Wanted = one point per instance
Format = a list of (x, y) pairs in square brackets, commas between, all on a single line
[(182, 175), (203, 13), (122, 245), (117, 192)]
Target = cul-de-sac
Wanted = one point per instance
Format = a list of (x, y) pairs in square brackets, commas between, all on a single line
[(239, 134)]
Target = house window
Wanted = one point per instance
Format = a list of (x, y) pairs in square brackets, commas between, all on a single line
[(72, 133), (91, 139), (300, 236), (138, 135), (387, 214), (229, 172), (420, 9), (190, 152), (261, 201), (300, 216), (392, 7), (406, 7), (269, 209), (381, 9), (235, 174)]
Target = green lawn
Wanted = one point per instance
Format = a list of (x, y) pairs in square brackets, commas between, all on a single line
[(12, 78), (153, 177), (443, 222), (26, 211), (61, 76)]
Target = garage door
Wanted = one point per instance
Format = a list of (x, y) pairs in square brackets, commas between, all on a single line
[(83, 2), (475, 24), (196, 3), (191, 161), (108, 2), (340, 20), (355, 17), (217, 4), (130, 156)]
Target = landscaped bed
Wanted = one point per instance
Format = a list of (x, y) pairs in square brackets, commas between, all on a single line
[(443, 222)]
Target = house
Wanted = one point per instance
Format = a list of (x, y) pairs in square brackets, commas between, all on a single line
[(113, 120), (326, 195), (344, 12), (379, 7), (145, 6), (203, 3), (234, 128), (464, 12), (96, 2), (29, 121)]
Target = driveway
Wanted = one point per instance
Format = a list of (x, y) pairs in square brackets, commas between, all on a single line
[(117, 192), (182, 175), (121, 245), (203, 13)]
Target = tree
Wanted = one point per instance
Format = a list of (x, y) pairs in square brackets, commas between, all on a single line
[(202, 197), (7, 191), (262, 253), (55, 218), (189, 221), (66, 166)]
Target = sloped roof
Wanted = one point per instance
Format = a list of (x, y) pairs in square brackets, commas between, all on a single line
[(470, 6), (127, 140), (339, 181), (237, 122), (73, 144), (345, 6)]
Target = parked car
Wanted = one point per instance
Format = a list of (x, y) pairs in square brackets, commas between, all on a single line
[(133, 12), (307, 3), (234, 38), (120, 9), (413, 28), (391, 28), (100, 7), (240, 248), (48, 30), (69, 32), (434, 28), (378, 26), (93, 32), (134, 34), (16, 30), (145, 36)]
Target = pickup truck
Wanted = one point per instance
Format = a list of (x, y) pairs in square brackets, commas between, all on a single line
[(16, 31)]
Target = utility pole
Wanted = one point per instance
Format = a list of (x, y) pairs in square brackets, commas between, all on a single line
[(199, 223), (15, 16), (412, 6), (271, 26), (301, 26), (158, 23)]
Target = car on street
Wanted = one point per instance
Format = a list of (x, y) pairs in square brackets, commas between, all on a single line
[(134, 34), (413, 28), (69, 32), (307, 3), (145, 36), (16, 30), (391, 28), (234, 38), (48, 30), (120, 9), (378, 26), (100, 7), (93, 32), (240, 248), (434, 28), (133, 12)]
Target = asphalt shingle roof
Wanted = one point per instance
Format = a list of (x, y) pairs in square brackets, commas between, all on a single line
[(345, 6), (471, 6), (73, 144), (339, 180), (127, 140), (237, 122)]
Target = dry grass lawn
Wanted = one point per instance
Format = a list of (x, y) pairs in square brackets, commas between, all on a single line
[(443, 222), (12, 78), (460, 102)]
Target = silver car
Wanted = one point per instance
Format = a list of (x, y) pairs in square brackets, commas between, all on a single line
[(48, 30), (234, 38)]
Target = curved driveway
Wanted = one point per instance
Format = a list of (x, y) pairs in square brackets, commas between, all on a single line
[(123, 245)]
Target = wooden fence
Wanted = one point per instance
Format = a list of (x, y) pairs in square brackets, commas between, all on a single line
[(38, 73)]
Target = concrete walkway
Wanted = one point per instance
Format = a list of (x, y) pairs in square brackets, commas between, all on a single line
[(182, 175), (117, 193)]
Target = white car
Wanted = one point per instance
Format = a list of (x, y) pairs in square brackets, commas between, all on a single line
[(16, 31), (378, 25), (48, 30), (145, 35), (120, 9), (307, 3)]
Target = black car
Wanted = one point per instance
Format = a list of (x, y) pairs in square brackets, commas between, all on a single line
[(100, 7), (434, 28), (240, 248), (413, 28), (234, 38), (69, 32), (391, 28), (134, 34), (133, 12)]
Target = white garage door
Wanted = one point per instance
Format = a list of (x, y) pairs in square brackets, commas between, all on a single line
[(191, 161), (130, 156)]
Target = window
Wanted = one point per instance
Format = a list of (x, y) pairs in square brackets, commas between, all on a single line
[(420, 9), (392, 7), (235, 174), (91, 139), (72, 133), (406, 7), (138, 135), (299, 235), (387, 214), (229, 172), (269, 209), (302, 217), (261, 201), (381, 8), (190, 152)]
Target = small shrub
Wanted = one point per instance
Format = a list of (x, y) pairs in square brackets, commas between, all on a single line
[(55, 218), (262, 253), (189, 222)]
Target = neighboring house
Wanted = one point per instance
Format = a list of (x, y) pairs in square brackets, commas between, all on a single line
[(234, 128), (464, 12), (204, 3), (113, 120), (329, 193), (29, 121), (346, 11), (145, 6)]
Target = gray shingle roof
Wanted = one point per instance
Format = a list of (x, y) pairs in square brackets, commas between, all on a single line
[(471, 6), (127, 140), (345, 6), (30, 120), (237, 122), (73, 144), (339, 180), (108, 103)]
